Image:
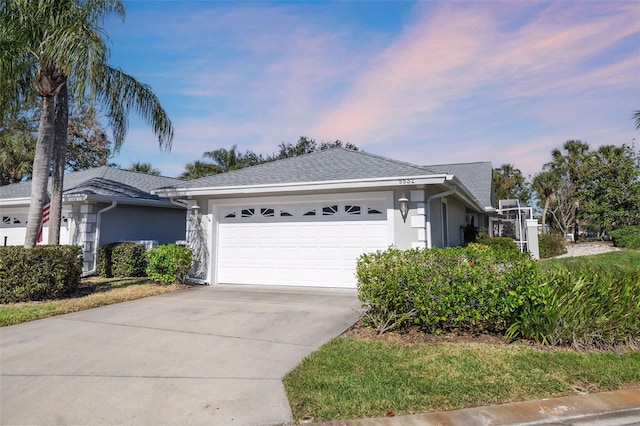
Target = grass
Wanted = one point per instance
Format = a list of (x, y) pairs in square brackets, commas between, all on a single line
[(353, 377), (350, 378), (94, 292), (624, 259)]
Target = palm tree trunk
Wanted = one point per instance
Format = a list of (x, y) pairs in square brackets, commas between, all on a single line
[(40, 173), (59, 156), (544, 214)]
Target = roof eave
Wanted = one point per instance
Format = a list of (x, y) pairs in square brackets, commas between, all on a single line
[(21, 201), (95, 198), (302, 186), (467, 196)]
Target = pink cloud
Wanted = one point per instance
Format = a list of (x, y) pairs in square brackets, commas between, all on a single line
[(455, 50)]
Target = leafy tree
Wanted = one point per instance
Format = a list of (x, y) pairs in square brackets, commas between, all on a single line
[(544, 185), (199, 169), (18, 142), (599, 189), (225, 160), (88, 145), (306, 145), (231, 159), (59, 46), (510, 184), (567, 167), (610, 194), (144, 168)]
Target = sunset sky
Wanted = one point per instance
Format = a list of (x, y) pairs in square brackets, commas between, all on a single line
[(423, 82)]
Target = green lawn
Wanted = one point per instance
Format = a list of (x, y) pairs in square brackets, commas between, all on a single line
[(624, 259), (351, 378), (93, 292)]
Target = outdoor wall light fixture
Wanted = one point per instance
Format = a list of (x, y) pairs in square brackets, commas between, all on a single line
[(195, 209), (404, 207)]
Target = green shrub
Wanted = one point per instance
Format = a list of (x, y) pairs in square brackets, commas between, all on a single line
[(43, 272), (585, 307), (169, 263), (498, 242), (628, 237), (122, 260), (472, 288), (551, 245)]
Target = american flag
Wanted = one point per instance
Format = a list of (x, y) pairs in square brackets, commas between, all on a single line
[(45, 218)]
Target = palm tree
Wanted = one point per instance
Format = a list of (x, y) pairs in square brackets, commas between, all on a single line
[(510, 184), (58, 46), (636, 117), (544, 183), (227, 160), (199, 169), (567, 166), (144, 168)]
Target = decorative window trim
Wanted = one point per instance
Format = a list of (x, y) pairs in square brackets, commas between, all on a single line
[(329, 210)]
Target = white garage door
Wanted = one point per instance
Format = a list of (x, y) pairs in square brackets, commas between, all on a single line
[(304, 244), (13, 228)]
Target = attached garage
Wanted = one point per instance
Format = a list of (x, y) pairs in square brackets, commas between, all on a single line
[(14, 226), (300, 241), (305, 220)]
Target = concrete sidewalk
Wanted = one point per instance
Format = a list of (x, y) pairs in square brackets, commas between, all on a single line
[(599, 409), (210, 356)]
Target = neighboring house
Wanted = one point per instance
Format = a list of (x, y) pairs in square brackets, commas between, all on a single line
[(304, 221), (100, 206)]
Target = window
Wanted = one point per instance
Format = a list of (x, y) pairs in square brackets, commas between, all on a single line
[(330, 210), (267, 212), (248, 212), (352, 210), (371, 210), (230, 215), (311, 212), (284, 213), (6, 220)]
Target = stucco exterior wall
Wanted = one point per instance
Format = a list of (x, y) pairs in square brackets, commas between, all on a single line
[(457, 213)]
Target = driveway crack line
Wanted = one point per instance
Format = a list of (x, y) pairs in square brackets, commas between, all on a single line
[(191, 332)]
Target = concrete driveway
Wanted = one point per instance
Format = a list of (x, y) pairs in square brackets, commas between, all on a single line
[(210, 355)]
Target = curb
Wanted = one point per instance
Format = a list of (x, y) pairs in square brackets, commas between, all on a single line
[(605, 408)]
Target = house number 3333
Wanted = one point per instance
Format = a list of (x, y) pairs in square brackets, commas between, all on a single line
[(407, 181)]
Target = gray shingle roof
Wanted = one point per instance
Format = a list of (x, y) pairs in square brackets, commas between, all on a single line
[(476, 177), (103, 181), (320, 166), (343, 164)]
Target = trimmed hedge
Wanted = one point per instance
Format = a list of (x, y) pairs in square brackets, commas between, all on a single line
[(551, 245), (43, 272), (122, 260), (627, 237), (169, 263), (470, 288), (500, 243)]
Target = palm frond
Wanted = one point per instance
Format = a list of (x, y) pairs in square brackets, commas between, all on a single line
[(122, 93)]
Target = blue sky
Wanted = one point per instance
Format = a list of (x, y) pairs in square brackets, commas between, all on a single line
[(423, 82)]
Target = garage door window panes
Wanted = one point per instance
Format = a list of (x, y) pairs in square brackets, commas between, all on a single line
[(372, 209)]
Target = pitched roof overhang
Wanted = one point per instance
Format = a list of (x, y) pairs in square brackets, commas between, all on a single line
[(93, 198), (239, 190), (300, 186)]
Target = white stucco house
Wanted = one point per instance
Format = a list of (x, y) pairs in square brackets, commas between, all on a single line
[(100, 206), (303, 221)]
